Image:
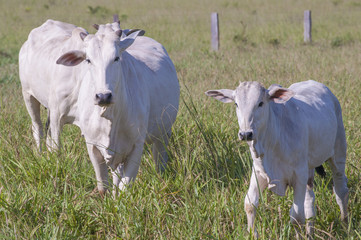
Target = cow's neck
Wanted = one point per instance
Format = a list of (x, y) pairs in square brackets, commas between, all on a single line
[(119, 111), (268, 135), (268, 143)]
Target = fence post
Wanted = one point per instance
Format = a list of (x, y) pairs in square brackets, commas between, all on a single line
[(115, 18), (215, 31), (307, 25)]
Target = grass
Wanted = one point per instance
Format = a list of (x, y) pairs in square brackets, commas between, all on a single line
[(200, 196)]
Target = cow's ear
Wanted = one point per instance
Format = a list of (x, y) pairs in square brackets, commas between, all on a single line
[(71, 58), (280, 94), (130, 38), (223, 95), (131, 31), (83, 35)]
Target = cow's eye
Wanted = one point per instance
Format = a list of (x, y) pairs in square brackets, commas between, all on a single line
[(236, 104), (260, 104), (88, 60), (116, 59)]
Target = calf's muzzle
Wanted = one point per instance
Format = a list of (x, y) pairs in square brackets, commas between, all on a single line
[(245, 136)]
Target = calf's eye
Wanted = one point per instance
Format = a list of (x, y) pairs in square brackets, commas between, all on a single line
[(116, 59), (236, 104), (88, 60), (260, 104)]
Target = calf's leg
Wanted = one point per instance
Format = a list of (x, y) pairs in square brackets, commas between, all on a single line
[(340, 188), (297, 212), (337, 164), (309, 205), (251, 201)]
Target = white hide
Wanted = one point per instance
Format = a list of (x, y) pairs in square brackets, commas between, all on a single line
[(135, 70), (293, 131)]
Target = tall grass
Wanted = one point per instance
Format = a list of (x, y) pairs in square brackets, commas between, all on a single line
[(200, 196)]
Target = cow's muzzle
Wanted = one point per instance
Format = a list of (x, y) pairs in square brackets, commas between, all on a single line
[(103, 99), (245, 136)]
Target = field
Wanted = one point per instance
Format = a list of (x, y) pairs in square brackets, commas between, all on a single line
[(200, 196)]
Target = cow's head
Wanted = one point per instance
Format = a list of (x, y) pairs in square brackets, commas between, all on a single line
[(101, 56), (253, 105)]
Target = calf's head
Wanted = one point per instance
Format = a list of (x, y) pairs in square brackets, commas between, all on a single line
[(252, 101), (101, 59)]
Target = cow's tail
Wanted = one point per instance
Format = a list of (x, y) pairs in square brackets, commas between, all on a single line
[(321, 171)]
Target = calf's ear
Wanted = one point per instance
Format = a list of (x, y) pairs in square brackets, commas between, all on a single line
[(223, 95), (71, 58), (280, 94)]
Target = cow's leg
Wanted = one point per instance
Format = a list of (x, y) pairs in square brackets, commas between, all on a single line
[(340, 189), (297, 212), (131, 166), (55, 127), (310, 204), (337, 164), (257, 185), (100, 168), (33, 107), (160, 155), (117, 176)]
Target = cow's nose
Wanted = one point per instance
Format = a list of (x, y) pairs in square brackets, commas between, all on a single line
[(248, 136), (103, 98)]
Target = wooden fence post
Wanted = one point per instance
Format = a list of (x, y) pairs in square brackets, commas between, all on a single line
[(307, 25), (115, 18), (215, 31)]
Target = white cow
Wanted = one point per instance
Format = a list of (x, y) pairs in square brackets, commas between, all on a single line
[(120, 89), (290, 132)]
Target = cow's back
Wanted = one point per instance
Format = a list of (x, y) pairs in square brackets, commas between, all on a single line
[(51, 32), (320, 112), (45, 40)]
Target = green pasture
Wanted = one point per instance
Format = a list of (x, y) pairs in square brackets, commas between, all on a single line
[(200, 196)]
